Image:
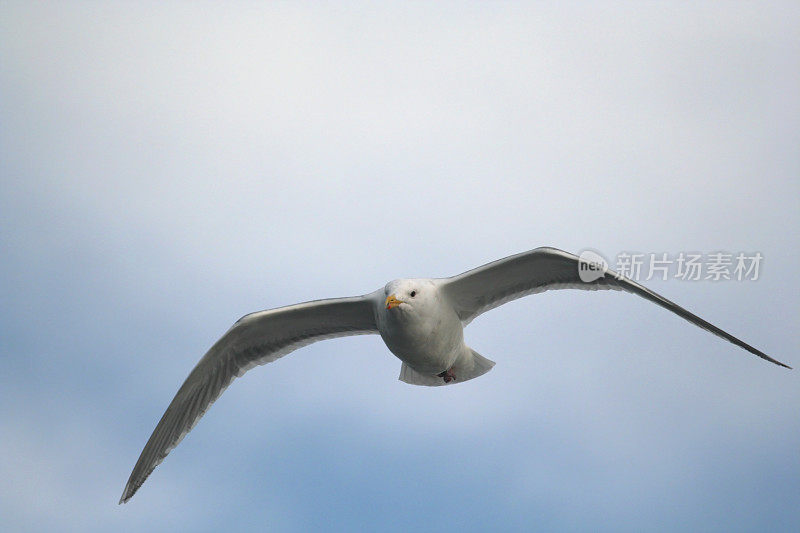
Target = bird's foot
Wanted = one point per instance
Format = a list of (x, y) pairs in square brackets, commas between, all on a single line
[(447, 376)]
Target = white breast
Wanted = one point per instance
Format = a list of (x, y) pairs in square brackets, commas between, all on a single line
[(428, 337)]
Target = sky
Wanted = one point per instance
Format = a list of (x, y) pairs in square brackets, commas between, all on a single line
[(168, 167)]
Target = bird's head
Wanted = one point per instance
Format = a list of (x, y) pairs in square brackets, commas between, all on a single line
[(409, 296)]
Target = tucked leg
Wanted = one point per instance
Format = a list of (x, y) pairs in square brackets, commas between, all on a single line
[(447, 375)]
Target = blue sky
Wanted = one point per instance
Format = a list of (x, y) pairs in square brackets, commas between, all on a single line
[(167, 168)]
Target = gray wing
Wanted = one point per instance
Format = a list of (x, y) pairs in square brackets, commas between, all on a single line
[(486, 287), (255, 339)]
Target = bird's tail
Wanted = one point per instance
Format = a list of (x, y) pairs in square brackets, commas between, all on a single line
[(468, 366)]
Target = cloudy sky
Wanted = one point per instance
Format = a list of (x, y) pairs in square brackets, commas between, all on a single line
[(167, 168)]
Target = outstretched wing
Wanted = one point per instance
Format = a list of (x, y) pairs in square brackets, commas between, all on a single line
[(486, 287), (256, 339)]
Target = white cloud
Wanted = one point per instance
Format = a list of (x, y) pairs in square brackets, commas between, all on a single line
[(165, 170)]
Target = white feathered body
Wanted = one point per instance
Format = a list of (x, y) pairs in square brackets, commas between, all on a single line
[(431, 338)]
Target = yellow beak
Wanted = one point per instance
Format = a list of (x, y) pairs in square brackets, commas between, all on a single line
[(392, 301)]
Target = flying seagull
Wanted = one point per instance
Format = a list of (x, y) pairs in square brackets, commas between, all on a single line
[(420, 320)]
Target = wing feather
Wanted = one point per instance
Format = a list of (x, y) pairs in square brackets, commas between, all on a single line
[(255, 339), (481, 289)]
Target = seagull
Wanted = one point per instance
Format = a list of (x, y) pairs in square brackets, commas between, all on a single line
[(421, 321)]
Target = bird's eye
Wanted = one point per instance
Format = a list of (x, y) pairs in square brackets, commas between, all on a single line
[(413, 293)]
